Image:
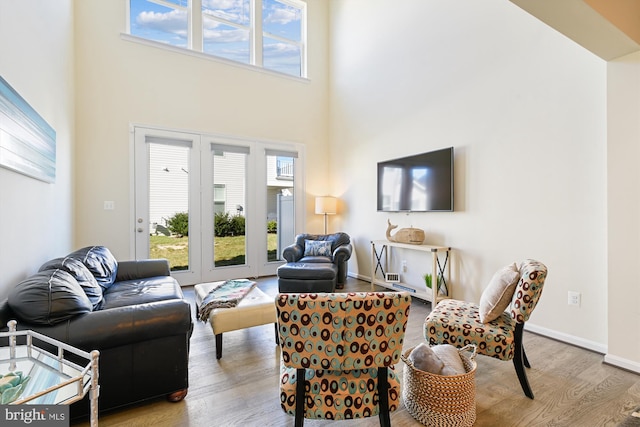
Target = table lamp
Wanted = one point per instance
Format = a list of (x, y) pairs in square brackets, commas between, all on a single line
[(326, 205)]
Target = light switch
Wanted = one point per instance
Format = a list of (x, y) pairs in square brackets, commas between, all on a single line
[(109, 205)]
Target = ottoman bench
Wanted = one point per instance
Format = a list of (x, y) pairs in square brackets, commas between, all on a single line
[(306, 277), (255, 309)]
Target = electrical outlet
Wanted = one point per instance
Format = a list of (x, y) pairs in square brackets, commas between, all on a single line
[(404, 266), (574, 298), (109, 205)]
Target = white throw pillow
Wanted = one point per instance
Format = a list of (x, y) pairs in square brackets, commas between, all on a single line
[(450, 356), (497, 296), (425, 359)]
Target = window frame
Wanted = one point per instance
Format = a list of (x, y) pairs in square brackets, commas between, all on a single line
[(195, 35)]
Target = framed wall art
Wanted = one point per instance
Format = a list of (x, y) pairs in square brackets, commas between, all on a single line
[(27, 141)]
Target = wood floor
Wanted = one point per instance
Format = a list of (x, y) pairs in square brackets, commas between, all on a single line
[(572, 386)]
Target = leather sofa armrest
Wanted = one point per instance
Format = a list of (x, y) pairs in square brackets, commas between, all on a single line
[(342, 253), (292, 253), (120, 326), (6, 314), (131, 270)]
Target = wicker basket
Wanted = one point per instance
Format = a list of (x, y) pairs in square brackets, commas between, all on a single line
[(441, 400)]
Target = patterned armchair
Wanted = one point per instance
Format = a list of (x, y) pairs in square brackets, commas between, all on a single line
[(459, 323), (339, 352)]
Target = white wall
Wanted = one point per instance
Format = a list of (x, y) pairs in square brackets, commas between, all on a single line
[(120, 82), (525, 109), (624, 211), (36, 59)]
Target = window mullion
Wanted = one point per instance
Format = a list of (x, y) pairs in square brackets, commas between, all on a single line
[(303, 45), (195, 25), (282, 39), (256, 30)]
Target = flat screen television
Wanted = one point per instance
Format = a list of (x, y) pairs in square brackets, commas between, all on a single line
[(419, 183)]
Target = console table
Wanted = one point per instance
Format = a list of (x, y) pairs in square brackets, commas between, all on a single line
[(439, 270), (54, 379)]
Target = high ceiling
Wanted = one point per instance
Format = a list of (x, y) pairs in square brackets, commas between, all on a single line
[(608, 28)]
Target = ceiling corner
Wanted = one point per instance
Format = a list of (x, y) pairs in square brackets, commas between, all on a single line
[(607, 28)]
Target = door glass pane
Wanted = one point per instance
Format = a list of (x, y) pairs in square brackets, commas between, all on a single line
[(169, 204), (229, 199), (280, 207)]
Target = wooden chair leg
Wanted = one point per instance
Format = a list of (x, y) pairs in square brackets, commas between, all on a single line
[(218, 346), (300, 379), (524, 358), (383, 397), (518, 361)]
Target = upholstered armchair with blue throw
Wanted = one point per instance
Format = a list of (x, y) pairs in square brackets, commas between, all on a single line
[(315, 257)]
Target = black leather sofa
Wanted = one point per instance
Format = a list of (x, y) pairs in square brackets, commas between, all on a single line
[(133, 312)]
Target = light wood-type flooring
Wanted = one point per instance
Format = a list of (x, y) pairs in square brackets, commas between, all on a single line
[(572, 386)]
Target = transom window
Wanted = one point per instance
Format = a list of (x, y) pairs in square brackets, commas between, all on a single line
[(266, 33)]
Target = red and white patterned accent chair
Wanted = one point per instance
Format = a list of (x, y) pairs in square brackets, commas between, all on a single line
[(458, 322), (339, 352)]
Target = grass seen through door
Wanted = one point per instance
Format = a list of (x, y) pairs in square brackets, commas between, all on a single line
[(226, 251)]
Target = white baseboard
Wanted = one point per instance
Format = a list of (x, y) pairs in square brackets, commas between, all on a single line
[(619, 362), (359, 276), (566, 338)]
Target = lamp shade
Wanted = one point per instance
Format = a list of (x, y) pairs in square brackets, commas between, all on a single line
[(326, 205)]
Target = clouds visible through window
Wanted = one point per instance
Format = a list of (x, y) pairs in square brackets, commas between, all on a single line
[(226, 29), (167, 22)]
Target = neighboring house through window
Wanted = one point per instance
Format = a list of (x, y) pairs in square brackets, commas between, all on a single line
[(266, 33), (219, 198)]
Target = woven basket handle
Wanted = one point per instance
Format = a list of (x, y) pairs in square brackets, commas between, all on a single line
[(470, 348), (405, 359)]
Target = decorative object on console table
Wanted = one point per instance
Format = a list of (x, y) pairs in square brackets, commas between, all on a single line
[(326, 205), (440, 268), (412, 236)]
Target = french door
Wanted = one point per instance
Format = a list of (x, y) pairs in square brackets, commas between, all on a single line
[(216, 207)]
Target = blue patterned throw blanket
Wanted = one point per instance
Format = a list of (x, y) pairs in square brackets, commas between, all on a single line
[(226, 295)]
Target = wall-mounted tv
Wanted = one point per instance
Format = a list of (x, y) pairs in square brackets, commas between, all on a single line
[(419, 183)]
